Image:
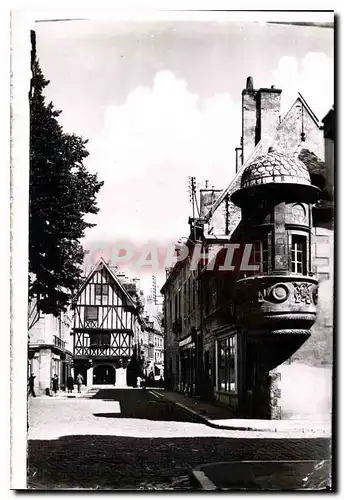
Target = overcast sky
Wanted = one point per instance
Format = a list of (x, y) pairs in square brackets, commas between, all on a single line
[(161, 101)]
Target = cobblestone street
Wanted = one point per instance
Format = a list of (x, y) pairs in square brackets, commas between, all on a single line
[(129, 439)]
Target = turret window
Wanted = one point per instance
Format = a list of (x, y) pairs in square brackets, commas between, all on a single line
[(260, 254), (298, 254)]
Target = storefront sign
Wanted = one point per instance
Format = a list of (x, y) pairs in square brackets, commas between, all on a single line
[(186, 341)]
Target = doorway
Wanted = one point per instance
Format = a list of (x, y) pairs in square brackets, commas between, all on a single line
[(104, 374)]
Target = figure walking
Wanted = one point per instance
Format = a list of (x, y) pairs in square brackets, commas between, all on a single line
[(32, 385), (70, 384), (79, 381), (55, 383)]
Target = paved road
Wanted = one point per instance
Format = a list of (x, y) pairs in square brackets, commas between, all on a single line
[(129, 439)]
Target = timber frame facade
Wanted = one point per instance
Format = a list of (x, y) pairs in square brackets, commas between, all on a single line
[(106, 326)]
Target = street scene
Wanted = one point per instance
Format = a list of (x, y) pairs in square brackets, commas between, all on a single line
[(181, 253), (139, 440)]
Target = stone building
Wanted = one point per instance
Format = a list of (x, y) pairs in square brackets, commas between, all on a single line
[(245, 323), (152, 348), (50, 348)]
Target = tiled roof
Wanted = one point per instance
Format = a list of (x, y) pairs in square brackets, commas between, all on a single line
[(275, 167), (315, 166)]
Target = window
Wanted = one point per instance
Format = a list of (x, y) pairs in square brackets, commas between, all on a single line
[(298, 254), (101, 289), (91, 313), (190, 294), (100, 339), (227, 364), (260, 254), (186, 311), (175, 307), (193, 294)]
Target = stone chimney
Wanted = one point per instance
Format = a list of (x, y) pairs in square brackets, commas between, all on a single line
[(269, 105), (260, 117), (249, 118)]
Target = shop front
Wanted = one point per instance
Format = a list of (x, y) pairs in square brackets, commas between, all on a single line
[(187, 357), (226, 356)]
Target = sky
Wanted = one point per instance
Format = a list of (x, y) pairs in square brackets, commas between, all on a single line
[(161, 101)]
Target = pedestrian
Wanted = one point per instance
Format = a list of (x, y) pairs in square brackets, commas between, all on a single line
[(32, 385), (79, 381), (70, 383), (55, 383)]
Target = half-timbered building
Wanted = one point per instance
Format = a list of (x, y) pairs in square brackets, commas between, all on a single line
[(106, 327)]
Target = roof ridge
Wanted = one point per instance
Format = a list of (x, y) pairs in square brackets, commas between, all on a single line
[(114, 277), (306, 105)]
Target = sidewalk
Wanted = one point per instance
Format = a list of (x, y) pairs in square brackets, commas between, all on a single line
[(221, 417), (85, 392)]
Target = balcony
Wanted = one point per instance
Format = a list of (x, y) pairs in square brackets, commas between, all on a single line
[(61, 344), (277, 312), (276, 303)]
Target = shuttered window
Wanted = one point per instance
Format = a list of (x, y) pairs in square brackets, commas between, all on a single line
[(91, 313)]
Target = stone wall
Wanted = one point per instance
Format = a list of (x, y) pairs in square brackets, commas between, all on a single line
[(288, 134), (318, 349), (305, 392)]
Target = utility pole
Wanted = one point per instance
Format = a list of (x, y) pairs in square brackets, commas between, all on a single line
[(154, 293), (192, 197)]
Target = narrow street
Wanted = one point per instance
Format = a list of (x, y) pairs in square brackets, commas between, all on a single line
[(134, 440)]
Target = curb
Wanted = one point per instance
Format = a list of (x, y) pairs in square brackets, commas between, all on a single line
[(236, 428), (201, 481), (216, 426), (205, 420)]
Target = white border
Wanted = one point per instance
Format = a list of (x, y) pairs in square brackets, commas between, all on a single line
[(22, 22), (20, 69)]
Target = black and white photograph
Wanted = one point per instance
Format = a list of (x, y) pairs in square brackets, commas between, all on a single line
[(176, 263)]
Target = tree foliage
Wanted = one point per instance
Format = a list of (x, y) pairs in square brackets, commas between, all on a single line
[(62, 193)]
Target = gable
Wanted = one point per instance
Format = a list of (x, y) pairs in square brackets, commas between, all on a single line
[(300, 124), (102, 276)]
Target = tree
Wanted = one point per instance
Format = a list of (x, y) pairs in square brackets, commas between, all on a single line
[(62, 193)]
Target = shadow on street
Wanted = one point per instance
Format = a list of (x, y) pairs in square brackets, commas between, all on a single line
[(146, 406), (114, 462)]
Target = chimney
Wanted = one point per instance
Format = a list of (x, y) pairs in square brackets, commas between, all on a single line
[(249, 119), (269, 104), (238, 158), (260, 117)]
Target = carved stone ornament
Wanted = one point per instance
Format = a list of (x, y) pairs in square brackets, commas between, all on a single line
[(302, 293), (279, 293), (315, 294)]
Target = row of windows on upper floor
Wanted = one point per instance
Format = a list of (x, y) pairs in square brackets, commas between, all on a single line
[(185, 299)]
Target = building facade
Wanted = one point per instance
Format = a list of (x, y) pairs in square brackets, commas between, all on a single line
[(248, 322), (50, 348), (106, 327)]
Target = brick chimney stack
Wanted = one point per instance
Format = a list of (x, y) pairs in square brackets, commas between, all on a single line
[(260, 117)]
